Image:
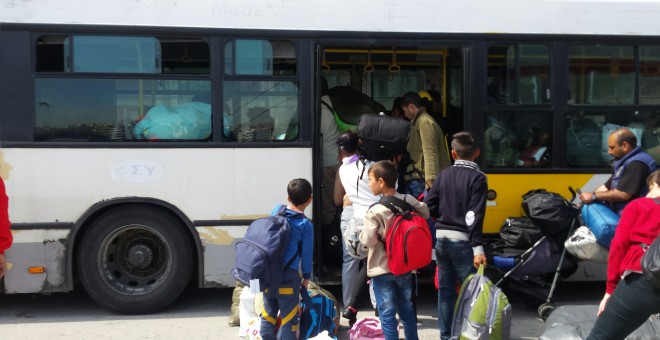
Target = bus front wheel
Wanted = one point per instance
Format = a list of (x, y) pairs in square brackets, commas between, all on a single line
[(135, 260)]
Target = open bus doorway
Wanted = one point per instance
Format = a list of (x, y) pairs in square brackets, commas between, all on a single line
[(367, 79)]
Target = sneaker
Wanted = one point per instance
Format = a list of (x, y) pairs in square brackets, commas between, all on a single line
[(350, 313)]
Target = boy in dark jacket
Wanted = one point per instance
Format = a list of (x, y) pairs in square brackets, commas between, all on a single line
[(285, 300), (457, 199)]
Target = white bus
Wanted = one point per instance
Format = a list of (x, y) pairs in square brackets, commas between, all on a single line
[(138, 139)]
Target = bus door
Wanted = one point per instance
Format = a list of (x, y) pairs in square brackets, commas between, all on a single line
[(367, 78)]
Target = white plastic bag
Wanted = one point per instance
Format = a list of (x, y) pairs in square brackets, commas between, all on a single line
[(322, 336), (249, 308), (251, 330), (351, 236), (582, 244)]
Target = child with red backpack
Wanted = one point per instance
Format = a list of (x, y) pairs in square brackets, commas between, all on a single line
[(393, 292)]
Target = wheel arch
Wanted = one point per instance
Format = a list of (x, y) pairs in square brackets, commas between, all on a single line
[(82, 224)]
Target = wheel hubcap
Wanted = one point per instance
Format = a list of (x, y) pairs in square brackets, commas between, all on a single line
[(135, 260)]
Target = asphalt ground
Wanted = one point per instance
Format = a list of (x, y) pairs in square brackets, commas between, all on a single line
[(204, 313)]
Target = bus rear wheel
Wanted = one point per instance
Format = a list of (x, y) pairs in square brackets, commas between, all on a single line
[(135, 260)]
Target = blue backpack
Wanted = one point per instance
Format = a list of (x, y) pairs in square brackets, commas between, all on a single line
[(259, 256), (318, 313)]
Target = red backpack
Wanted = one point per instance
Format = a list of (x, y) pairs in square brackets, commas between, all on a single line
[(408, 241)]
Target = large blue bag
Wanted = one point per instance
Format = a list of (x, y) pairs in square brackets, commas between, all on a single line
[(259, 256), (319, 313), (601, 220)]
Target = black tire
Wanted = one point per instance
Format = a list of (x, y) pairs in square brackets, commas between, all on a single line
[(545, 310), (135, 260)]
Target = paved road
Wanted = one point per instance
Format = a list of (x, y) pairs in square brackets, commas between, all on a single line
[(203, 313)]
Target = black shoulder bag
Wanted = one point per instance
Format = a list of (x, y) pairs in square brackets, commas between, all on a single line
[(651, 260)]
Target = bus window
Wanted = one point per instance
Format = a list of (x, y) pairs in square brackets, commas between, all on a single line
[(649, 76), (601, 75), (587, 132), (518, 138), (518, 74), (260, 57), (262, 111), (120, 54), (107, 110), (112, 54), (651, 134), (73, 104), (518, 134)]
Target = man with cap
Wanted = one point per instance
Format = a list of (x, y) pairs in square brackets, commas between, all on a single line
[(426, 146)]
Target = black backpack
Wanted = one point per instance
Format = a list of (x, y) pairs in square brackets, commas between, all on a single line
[(651, 260), (520, 232), (383, 137)]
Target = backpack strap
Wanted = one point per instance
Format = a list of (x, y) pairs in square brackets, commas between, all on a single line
[(282, 212), (328, 106), (397, 205), (295, 256)]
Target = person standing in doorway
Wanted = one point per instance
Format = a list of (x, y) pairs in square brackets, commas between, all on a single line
[(426, 146)]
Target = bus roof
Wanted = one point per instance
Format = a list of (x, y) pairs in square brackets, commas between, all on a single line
[(638, 17)]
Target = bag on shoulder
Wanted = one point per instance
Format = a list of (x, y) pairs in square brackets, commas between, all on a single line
[(383, 137), (482, 310), (550, 211), (651, 260), (520, 232), (368, 328), (319, 312), (408, 241), (602, 221), (259, 255), (351, 236)]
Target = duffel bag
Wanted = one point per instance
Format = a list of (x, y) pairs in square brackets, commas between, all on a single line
[(602, 221)]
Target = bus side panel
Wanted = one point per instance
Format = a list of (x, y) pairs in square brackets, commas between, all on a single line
[(511, 187), (218, 243), (217, 184), (37, 248)]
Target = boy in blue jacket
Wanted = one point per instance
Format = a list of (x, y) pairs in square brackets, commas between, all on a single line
[(285, 300)]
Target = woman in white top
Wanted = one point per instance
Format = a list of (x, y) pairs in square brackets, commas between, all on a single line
[(352, 191)]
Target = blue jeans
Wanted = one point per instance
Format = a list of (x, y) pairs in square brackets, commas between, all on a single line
[(455, 261), (286, 301), (394, 293), (350, 266), (630, 305)]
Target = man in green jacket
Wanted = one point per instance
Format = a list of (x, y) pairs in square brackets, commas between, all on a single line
[(427, 146)]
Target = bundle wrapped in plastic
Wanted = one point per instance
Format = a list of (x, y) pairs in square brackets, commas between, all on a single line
[(186, 121), (583, 245)]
